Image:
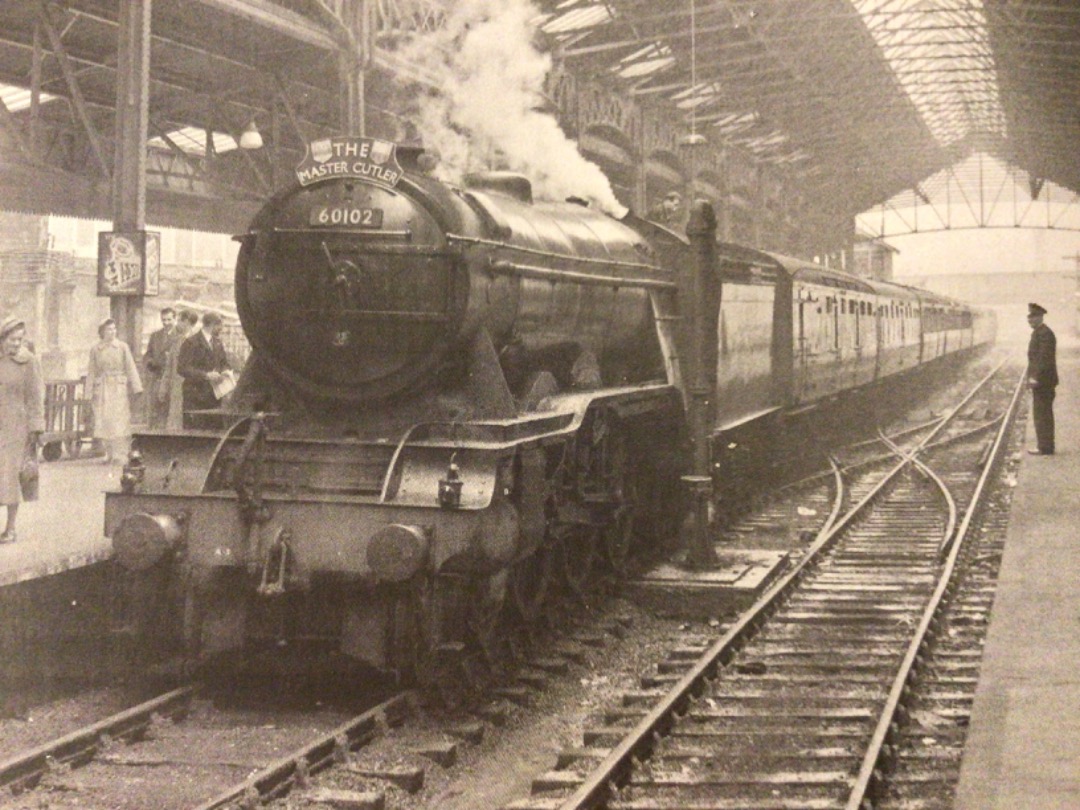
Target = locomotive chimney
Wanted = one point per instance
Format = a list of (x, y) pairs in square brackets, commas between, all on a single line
[(699, 302)]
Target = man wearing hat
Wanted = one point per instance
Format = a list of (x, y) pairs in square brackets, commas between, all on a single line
[(667, 211), (1042, 379)]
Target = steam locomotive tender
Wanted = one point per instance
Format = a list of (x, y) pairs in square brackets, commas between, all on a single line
[(458, 399)]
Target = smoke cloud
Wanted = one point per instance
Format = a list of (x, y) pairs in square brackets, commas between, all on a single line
[(492, 76)]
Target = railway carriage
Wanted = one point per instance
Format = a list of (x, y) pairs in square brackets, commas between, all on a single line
[(459, 398), (946, 326), (900, 335), (793, 333)]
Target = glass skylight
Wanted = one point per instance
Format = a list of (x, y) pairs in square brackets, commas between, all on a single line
[(577, 18), (941, 55), (18, 98), (193, 141)]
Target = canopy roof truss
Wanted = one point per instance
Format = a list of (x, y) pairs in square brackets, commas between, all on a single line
[(862, 99)]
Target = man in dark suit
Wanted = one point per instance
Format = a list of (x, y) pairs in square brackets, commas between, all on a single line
[(157, 412), (201, 362), (1042, 379)]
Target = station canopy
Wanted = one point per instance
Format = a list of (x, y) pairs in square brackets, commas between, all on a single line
[(860, 99)]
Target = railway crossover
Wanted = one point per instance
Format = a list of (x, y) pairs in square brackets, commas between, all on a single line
[(804, 701)]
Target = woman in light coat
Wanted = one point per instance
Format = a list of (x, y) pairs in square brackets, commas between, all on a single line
[(22, 401), (113, 378)]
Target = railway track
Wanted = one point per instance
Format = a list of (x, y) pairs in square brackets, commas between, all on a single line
[(803, 701), (167, 752), (176, 753), (178, 749), (762, 674)]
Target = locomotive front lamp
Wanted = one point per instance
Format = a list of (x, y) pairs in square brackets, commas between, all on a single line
[(131, 479), (251, 138), (450, 486)]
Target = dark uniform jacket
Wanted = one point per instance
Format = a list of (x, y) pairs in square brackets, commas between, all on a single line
[(196, 359), (154, 359), (1042, 357)]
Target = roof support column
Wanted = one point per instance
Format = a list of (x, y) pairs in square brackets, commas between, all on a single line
[(353, 59), (129, 174)]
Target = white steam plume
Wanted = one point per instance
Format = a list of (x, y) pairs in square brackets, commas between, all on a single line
[(492, 77)]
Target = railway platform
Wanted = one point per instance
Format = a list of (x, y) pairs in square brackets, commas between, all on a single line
[(1023, 745), (62, 530)]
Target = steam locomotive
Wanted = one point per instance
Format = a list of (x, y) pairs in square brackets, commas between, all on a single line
[(460, 398)]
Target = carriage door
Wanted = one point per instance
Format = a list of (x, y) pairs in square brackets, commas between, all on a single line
[(806, 341), (879, 338), (802, 297)]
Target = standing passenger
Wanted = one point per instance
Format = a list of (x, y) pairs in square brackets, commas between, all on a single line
[(669, 210), (171, 390), (154, 368), (113, 378), (201, 363), (1042, 380), (22, 398)]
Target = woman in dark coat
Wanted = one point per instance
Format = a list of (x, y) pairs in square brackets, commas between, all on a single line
[(22, 419)]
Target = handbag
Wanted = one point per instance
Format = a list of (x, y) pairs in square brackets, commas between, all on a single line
[(28, 478)]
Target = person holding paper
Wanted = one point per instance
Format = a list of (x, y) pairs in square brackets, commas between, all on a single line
[(203, 364)]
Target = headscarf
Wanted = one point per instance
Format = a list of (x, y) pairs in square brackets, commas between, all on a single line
[(9, 325)]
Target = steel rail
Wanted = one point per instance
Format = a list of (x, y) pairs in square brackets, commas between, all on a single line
[(278, 778), (857, 465), (638, 744), (79, 747), (958, 437), (926, 445), (838, 498), (950, 501), (952, 413), (870, 772)]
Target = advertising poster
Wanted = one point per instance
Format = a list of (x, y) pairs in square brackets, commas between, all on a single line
[(129, 263)]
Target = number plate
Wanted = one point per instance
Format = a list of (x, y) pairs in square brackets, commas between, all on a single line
[(345, 216)]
